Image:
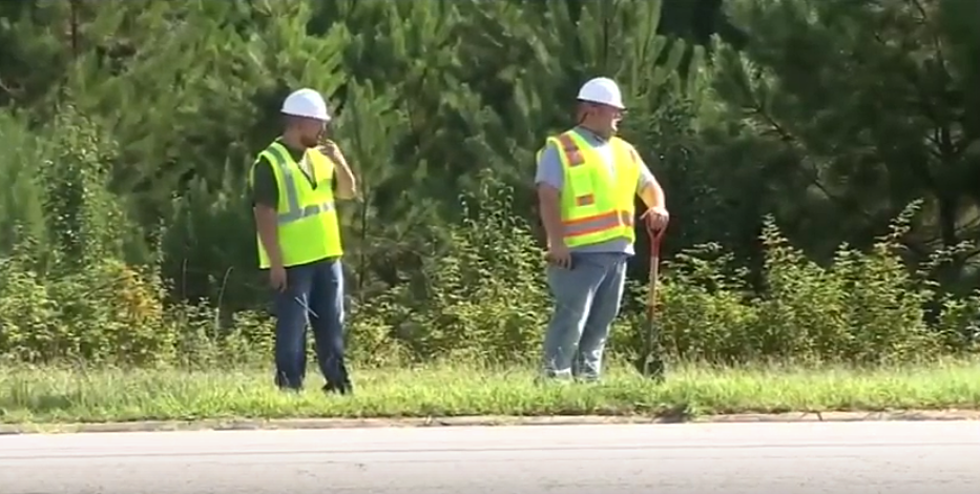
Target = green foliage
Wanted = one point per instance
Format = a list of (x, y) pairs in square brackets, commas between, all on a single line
[(481, 296), (128, 127), (22, 217), (865, 307)]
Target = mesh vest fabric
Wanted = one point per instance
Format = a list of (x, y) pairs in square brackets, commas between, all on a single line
[(596, 206), (307, 222)]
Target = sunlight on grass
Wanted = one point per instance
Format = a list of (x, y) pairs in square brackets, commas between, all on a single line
[(58, 395)]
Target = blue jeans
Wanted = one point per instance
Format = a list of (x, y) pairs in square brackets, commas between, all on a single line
[(587, 297), (314, 295)]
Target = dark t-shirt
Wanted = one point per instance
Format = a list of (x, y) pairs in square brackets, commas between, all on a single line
[(265, 189)]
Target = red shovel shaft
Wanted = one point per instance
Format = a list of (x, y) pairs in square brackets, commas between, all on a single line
[(652, 364), (655, 238)]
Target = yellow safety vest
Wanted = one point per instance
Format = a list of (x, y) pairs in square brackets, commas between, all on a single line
[(308, 226), (596, 207)]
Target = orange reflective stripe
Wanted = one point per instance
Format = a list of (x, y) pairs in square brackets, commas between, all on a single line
[(586, 200), (571, 150), (597, 223)]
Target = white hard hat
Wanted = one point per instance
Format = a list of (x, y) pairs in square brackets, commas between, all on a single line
[(602, 90), (306, 103)]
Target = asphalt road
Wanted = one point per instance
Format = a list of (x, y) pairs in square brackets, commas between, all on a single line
[(805, 458)]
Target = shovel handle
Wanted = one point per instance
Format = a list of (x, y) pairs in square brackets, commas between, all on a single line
[(656, 236)]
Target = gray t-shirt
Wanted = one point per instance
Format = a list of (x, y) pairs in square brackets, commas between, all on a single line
[(550, 172)]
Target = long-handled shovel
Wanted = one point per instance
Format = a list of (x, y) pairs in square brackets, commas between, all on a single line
[(653, 366)]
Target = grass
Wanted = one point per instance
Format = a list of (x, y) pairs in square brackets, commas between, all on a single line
[(62, 396)]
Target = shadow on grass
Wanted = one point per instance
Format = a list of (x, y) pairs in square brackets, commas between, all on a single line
[(40, 403), (675, 414)]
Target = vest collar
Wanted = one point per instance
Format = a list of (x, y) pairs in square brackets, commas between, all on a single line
[(296, 155), (584, 132)]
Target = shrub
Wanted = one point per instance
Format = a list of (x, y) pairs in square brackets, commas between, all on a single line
[(482, 296), (104, 313), (866, 308), (707, 311)]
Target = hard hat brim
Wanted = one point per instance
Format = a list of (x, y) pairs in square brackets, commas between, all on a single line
[(323, 118), (602, 103)]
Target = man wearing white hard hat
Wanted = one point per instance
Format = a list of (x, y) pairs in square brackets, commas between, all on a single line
[(587, 179), (298, 235)]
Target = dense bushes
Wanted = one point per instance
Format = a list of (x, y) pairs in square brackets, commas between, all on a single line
[(478, 296), (125, 234), (484, 298), (863, 308)]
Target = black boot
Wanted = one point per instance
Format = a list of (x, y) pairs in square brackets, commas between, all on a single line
[(343, 389), (285, 384)]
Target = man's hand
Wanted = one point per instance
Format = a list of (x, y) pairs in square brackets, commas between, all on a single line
[(277, 278), (656, 218), (346, 183), (332, 151), (559, 255)]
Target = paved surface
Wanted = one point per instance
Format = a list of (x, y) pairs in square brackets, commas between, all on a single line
[(805, 458)]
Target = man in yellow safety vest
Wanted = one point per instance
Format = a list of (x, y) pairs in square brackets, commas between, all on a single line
[(587, 179), (298, 236)]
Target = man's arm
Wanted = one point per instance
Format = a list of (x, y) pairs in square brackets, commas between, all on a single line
[(265, 202), (346, 183), (549, 179), (649, 189), (344, 177)]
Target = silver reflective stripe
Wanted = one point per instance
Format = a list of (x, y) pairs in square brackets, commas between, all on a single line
[(293, 211), (315, 210)]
